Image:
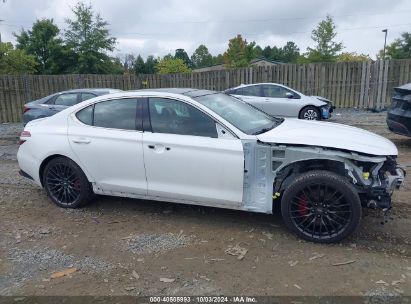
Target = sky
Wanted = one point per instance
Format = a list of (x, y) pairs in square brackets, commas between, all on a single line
[(158, 27)]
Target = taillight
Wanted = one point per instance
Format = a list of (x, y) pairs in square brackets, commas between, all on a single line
[(25, 109), (23, 135)]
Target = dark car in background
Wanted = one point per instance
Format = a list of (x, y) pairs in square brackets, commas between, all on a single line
[(52, 104), (399, 113)]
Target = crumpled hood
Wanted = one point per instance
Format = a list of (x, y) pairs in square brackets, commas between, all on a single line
[(326, 134)]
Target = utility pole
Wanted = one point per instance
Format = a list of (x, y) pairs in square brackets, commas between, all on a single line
[(0, 32), (385, 43)]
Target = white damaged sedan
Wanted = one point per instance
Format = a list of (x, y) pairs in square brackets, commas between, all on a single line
[(207, 148)]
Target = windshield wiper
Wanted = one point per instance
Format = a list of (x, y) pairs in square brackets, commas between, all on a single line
[(276, 123)]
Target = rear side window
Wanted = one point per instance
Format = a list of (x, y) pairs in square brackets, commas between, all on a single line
[(251, 91), (85, 96), (116, 114), (125, 114), (86, 115), (273, 91), (66, 99)]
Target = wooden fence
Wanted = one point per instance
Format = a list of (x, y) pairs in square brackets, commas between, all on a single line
[(366, 85)]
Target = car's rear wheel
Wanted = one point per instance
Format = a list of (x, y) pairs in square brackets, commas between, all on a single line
[(66, 184), (310, 113), (321, 206)]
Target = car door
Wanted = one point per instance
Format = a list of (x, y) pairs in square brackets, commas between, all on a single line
[(252, 95), (280, 101), (107, 139), (185, 158)]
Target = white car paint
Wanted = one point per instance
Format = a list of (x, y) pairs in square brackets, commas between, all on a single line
[(284, 107), (327, 134), (197, 170)]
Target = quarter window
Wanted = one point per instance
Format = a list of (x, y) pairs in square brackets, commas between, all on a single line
[(176, 117), (66, 99), (86, 115)]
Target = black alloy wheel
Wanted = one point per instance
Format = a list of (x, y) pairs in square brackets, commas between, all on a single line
[(321, 206)]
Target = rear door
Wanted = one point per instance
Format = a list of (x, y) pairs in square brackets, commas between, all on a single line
[(186, 159), (107, 139)]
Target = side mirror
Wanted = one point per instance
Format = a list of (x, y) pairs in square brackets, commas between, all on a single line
[(289, 95)]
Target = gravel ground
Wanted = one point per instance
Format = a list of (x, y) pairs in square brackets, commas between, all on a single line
[(157, 243), (136, 247)]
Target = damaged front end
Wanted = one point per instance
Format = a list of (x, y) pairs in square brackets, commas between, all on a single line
[(377, 182), (270, 168)]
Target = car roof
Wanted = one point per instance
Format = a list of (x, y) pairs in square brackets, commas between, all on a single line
[(190, 92), (260, 83), (85, 90)]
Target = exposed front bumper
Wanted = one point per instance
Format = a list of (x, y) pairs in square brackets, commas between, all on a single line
[(326, 111), (380, 196)]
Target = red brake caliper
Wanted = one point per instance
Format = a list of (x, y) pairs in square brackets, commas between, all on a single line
[(77, 184), (303, 205)]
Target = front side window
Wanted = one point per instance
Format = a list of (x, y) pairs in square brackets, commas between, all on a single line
[(66, 99), (176, 117)]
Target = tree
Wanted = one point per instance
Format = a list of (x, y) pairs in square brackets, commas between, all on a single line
[(258, 51), (239, 53), (352, 57), (267, 52), (89, 37), (139, 66), (290, 52), (326, 49), (219, 59), (15, 61), (182, 54), (128, 61), (150, 65), (201, 57), (399, 49), (172, 66), (43, 43)]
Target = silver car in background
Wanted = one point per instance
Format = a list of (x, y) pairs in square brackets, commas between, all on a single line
[(54, 103), (280, 100)]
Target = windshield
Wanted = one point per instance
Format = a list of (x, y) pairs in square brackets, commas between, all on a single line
[(243, 116)]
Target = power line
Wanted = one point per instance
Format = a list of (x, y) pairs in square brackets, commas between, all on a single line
[(151, 21)]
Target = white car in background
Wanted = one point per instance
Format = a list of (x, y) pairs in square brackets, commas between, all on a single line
[(207, 148), (280, 100)]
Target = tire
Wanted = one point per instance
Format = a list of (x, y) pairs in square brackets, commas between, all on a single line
[(310, 113), (66, 184), (321, 206)]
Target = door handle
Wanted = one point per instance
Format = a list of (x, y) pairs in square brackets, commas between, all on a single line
[(153, 147), (81, 141)]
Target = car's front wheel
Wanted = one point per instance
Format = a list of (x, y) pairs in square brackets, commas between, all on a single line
[(310, 113), (66, 184), (321, 206)]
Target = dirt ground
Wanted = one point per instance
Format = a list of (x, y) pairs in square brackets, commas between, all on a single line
[(119, 246)]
